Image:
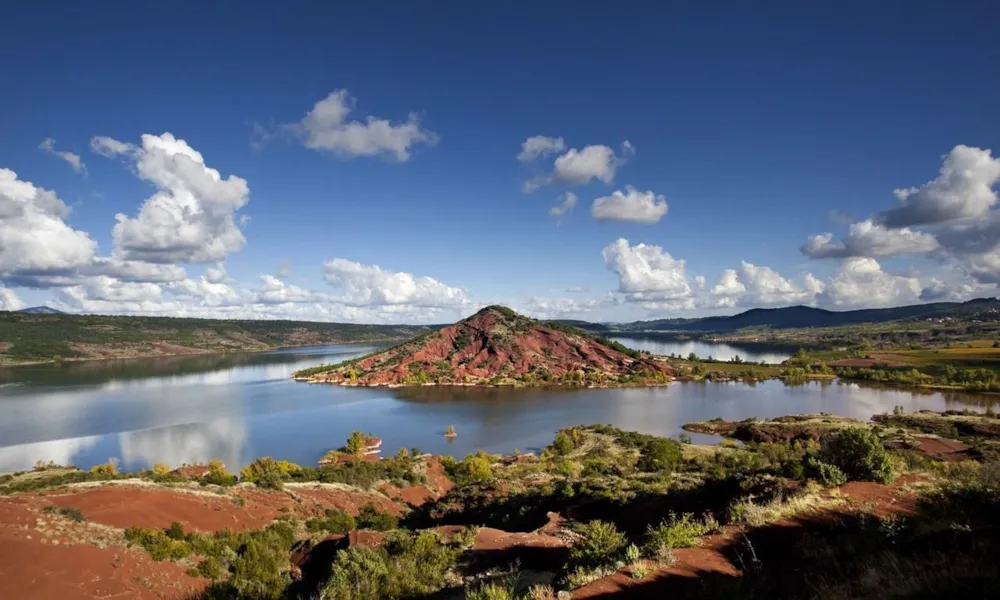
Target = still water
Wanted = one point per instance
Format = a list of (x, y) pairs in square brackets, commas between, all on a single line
[(665, 345), (240, 406)]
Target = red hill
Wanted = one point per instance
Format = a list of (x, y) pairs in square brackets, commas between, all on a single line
[(497, 346)]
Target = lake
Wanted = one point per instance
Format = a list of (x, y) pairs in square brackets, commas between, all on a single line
[(240, 406), (666, 345)]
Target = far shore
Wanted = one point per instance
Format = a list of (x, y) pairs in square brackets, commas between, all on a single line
[(189, 352)]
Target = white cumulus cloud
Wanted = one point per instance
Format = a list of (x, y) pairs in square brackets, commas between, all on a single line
[(861, 283), (326, 128), (647, 273), (192, 216), (963, 189), (37, 246), (754, 285), (574, 166), (9, 300), (871, 239), (631, 205), (370, 285), (539, 145)]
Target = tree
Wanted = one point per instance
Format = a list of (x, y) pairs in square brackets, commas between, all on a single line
[(265, 472), (450, 431), (859, 453), (356, 444), (475, 467), (659, 455), (692, 357), (563, 445)]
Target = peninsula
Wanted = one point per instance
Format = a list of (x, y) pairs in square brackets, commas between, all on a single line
[(497, 346)]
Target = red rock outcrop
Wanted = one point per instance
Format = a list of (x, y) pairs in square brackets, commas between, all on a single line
[(499, 346)]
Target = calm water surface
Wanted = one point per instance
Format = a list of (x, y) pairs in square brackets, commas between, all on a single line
[(667, 346), (240, 406)]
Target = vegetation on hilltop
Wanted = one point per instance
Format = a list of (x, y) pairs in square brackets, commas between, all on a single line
[(26, 337)]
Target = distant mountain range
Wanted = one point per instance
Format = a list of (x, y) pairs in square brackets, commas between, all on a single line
[(41, 310), (794, 317)]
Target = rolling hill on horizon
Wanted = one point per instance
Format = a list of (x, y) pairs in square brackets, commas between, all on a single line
[(794, 317)]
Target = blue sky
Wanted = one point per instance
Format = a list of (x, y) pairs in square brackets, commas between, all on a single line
[(759, 126)]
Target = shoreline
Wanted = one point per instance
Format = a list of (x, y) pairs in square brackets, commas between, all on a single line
[(220, 352)]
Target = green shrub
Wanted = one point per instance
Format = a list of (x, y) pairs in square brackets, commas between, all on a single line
[(371, 517), (473, 468), (407, 565), (363, 473), (659, 455), (210, 568), (677, 532), (502, 589), (335, 521), (859, 453), (217, 474), (563, 445), (566, 468), (108, 469), (264, 472), (70, 512), (827, 474), (157, 543), (600, 545), (176, 532), (260, 571)]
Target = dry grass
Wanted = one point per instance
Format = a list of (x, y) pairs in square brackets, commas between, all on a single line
[(747, 512)]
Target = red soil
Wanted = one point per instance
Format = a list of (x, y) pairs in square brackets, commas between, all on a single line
[(691, 562), (44, 556)]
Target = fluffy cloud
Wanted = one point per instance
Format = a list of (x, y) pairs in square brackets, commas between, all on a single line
[(647, 274), (975, 245), (754, 285), (37, 247), (109, 147), (573, 167), (9, 300), (578, 167), (963, 189), (192, 216), (369, 285), (567, 203), (276, 291), (557, 308), (868, 238), (632, 205), (539, 145), (135, 271), (326, 128), (73, 160), (939, 291), (861, 283)]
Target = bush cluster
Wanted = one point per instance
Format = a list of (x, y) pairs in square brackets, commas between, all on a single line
[(407, 565)]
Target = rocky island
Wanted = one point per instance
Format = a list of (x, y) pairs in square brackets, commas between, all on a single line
[(497, 346)]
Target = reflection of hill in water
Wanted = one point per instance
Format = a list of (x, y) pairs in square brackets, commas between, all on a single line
[(445, 393), (958, 397), (93, 372)]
